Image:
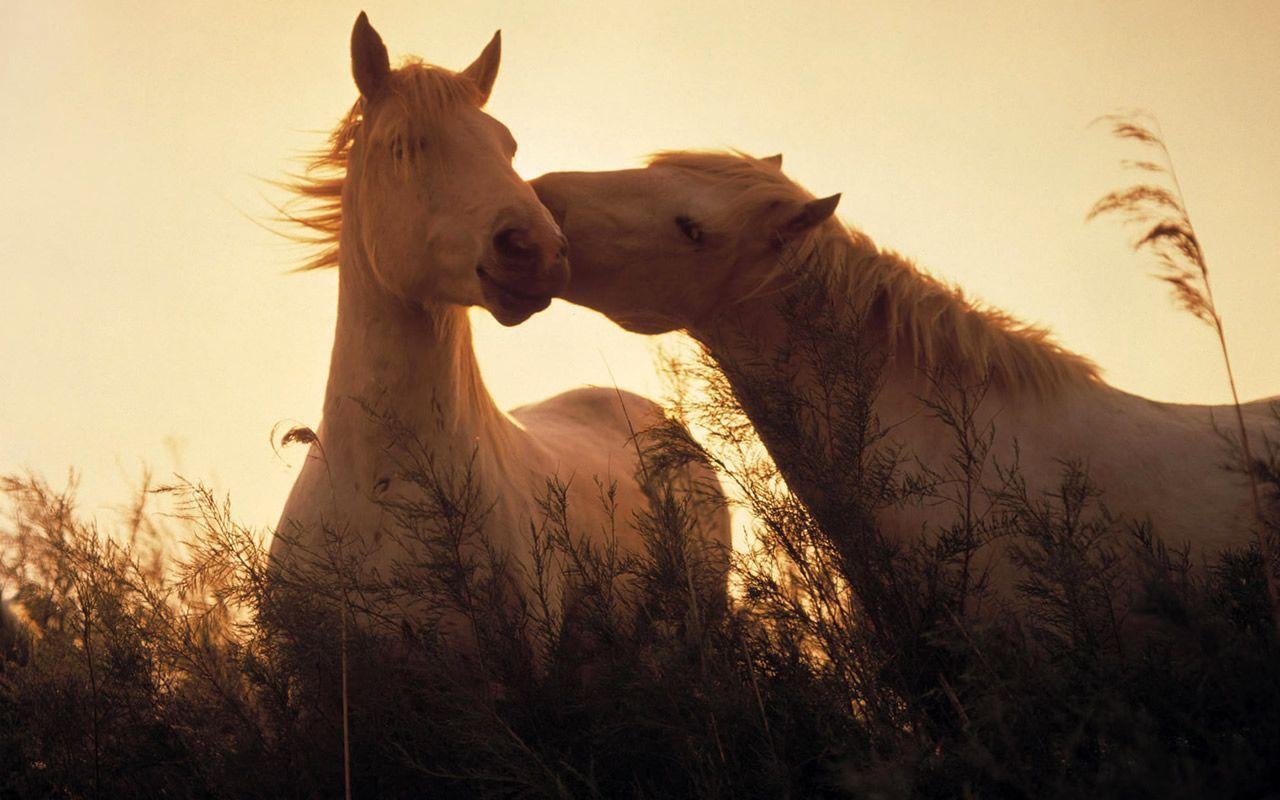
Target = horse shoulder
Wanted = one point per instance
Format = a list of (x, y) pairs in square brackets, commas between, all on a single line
[(299, 505), (323, 497)]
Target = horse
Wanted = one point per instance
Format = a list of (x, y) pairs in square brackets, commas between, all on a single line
[(416, 203), (718, 244)]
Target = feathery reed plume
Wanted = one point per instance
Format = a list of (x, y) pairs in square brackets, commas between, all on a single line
[(1171, 239)]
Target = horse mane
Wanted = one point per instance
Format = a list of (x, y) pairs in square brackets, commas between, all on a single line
[(927, 322), (418, 95), (932, 325)]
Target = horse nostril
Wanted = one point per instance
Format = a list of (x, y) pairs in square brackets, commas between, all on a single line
[(514, 243)]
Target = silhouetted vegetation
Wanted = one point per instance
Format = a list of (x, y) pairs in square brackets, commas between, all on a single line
[(844, 664)]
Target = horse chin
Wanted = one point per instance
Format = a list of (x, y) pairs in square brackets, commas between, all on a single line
[(510, 317), (508, 305), (647, 324)]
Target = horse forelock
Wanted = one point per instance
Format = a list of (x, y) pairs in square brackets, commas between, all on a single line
[(418, 96), (752, 184)]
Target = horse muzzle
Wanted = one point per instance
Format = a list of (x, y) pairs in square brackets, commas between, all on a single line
[(514, 297), (527, 265)]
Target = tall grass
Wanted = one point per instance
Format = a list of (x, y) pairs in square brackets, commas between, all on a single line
[(842, 666), (1156, 204)]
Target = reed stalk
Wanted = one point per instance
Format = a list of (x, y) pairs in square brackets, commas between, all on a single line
[(1169, 236)]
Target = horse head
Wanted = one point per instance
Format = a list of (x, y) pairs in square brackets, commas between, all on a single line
[(430, 202)]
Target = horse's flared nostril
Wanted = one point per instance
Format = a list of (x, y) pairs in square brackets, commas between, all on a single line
[(515, 244)]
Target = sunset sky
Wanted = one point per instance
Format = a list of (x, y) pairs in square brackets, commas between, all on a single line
[(147, 317)]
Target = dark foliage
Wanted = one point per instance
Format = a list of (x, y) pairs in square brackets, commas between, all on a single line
[(844, 665)]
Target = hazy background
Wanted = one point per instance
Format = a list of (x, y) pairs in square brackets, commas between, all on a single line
[(145, 318)]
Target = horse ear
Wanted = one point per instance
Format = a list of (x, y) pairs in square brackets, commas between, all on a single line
[(369, 63), (808, 216), (774, 161), (484, 70)]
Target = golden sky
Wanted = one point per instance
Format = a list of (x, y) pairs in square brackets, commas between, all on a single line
[(145, 318)]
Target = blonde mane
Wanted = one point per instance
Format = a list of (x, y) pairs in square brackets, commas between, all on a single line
[(931, 324), (418, 95), (927, 323)]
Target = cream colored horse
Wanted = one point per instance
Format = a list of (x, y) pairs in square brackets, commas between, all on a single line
[(418, 206), (710, 242)]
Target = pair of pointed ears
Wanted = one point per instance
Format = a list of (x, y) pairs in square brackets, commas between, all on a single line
[(371, 67), (800, 218), (795, 219)]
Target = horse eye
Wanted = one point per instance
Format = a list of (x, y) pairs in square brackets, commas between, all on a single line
[(399, 149), (689, 228)]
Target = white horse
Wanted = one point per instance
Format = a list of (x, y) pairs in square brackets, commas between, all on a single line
[(417, 205), (709, 243)]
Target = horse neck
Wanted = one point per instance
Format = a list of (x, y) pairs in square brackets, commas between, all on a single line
[(922, 326), (773, 334), (796, 357), (758, 347), (403, 370)]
